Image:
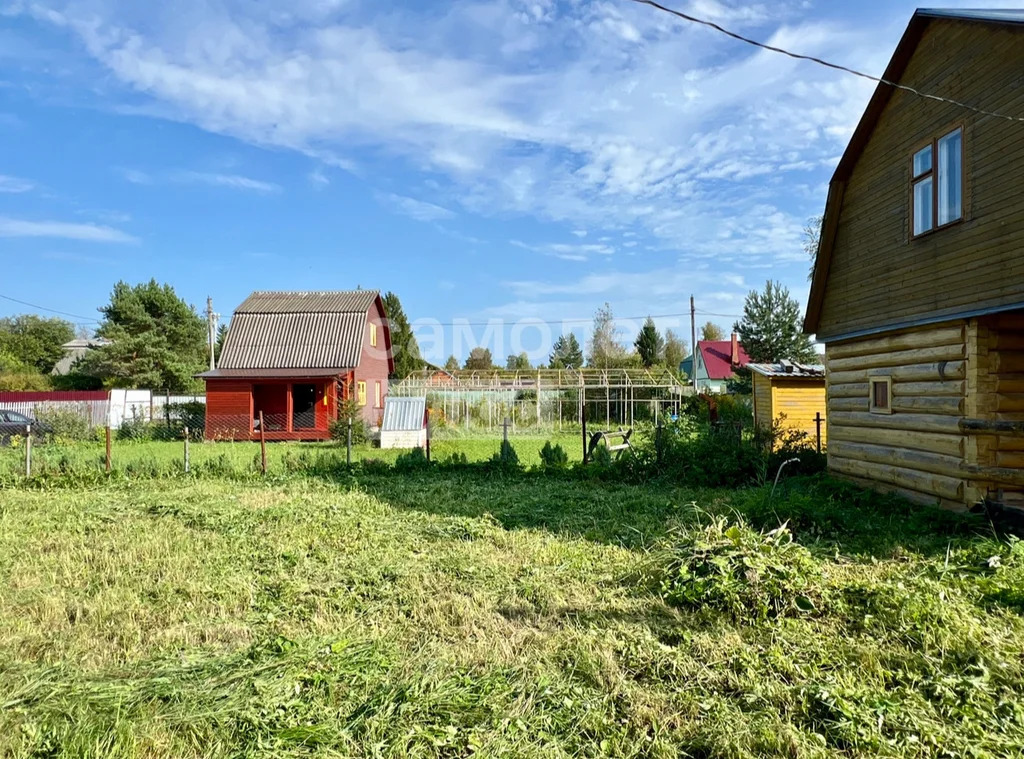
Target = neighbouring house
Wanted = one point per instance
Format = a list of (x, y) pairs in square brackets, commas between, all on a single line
[(717, 362), (75, 350), (405, 423), (295, 357), (918, 286), (792, 394)]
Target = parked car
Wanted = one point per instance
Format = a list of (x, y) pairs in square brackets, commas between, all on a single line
[(13, 423)]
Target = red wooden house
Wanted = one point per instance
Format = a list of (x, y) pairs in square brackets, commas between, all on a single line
[(294, 356)]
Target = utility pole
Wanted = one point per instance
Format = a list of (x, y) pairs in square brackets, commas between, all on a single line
[(211, 329), (693, 343)]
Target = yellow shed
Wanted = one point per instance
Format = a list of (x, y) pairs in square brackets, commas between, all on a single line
[(793, 391)]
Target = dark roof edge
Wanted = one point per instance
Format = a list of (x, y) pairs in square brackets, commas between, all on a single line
[(922, 322)]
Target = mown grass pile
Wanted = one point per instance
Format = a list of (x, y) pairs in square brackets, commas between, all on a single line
[(467, 613)]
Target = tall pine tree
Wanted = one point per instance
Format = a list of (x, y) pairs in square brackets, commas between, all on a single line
[(649, 344), (404, 347), (771, 329), (159, 341), (566, 353)]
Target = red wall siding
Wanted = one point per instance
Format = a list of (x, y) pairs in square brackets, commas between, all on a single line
[(228, 409), (373, 366)]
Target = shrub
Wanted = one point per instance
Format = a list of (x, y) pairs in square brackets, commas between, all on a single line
[(738, 570), (66, 424), (412, 460), (338, 429), (506, 459), (553, 456)]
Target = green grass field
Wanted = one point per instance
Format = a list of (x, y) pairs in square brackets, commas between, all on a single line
[(242, 456), (456, 614)]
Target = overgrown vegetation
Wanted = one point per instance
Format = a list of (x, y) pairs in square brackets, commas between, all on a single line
[(448, 613)]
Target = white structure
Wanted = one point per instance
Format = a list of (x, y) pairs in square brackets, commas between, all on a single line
[(405, 423)]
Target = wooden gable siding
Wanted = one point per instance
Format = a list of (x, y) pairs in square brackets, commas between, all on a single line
[(878, 277), (373, 365)]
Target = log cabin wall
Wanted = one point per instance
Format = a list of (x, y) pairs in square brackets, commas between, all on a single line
[(995, 385), (917, 450)]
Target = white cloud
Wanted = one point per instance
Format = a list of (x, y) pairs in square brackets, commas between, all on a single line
[(567, 251), (15, 184), (318, 178), (231, 181), (415, 209), (59, 229)]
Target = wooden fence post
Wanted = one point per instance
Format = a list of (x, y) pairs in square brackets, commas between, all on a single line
[(28, 450), (817, 428), (108, 449), (348, 443), (263, 445), (428, 431), (186, 451)]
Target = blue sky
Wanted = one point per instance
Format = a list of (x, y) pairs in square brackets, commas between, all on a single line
[(485, 159)]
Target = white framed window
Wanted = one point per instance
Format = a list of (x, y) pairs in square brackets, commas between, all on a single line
[(937, 183), (361, 393), (373, 335), (881, 395)]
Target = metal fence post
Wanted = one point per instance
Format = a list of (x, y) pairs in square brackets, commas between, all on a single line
[(186, 451), (28, 450), (817, 428)]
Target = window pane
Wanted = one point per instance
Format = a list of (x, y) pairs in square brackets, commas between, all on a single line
[(950, 177), (881, 393), (923, 206), (922, 161)]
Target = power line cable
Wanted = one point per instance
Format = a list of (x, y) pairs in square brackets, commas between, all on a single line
[(827, 64), (51, 310)]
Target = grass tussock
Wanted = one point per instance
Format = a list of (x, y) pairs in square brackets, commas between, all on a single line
[(458, 613)]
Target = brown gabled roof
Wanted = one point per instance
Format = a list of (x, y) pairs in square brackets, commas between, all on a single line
[(276, 331), (897, 65)]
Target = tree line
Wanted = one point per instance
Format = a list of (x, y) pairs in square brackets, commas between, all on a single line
[(155, 340)]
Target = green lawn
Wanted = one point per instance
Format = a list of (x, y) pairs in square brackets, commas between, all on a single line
[(242, 456), (451, 614)]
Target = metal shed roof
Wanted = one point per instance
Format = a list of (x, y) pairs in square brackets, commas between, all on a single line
[(404, 414), (789, 370), (304, 302)]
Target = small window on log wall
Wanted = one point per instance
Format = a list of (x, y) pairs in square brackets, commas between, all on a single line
[(881, 395)]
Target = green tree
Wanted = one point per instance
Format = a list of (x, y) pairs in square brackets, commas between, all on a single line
[(711, 331), (675, 350), (479, 359), (518, 363), (604, 350), (452, 364), (35, 341), (15, 374), (218, 346), (812, 240), (404, 347), (649, 343), (159, 341), (770, 329), (566, 353)]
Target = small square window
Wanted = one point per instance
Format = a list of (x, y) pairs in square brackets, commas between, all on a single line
[(881, 395)]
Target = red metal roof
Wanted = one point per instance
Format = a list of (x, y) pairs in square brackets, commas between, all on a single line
[(717, 357)]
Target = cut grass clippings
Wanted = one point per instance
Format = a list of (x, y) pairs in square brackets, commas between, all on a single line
[(453, 613)]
